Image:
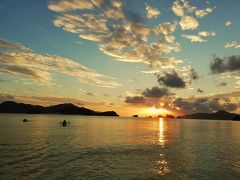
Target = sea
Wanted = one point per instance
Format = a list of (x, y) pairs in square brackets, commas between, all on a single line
[(92, 147)]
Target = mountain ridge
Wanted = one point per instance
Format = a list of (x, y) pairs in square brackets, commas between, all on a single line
[(219, 115), (65, 108)]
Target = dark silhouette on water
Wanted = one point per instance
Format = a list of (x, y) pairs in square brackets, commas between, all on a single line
[(169, 116), (67, 108), (64, 123), (135, 115), (219, 115), (236, 118), (25, 120)]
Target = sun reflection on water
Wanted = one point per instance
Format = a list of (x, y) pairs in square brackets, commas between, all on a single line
[(161, 133), (163, 167)]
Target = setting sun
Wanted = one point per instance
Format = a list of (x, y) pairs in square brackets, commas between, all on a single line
[(155, 111)]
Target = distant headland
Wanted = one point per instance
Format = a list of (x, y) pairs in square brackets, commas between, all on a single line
[(219, 115), (67, 109)]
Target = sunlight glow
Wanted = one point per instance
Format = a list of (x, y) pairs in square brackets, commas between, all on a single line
[(156, 111)]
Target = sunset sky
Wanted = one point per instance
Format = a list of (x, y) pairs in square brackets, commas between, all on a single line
[(143, 57)]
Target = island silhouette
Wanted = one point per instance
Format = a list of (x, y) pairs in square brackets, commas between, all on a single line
[(219, 115), (66, 108)]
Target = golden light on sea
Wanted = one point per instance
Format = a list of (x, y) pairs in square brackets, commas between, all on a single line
[(163, 167), (161, 132)]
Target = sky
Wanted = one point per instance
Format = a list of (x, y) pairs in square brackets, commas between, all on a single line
[(145, 57)]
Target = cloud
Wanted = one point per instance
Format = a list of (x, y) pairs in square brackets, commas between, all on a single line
[(175, 78), (193, 74), (198, 37), (120, 33), (178, 9), (152, 12), (70, 5), (182, 7), (127, 35), (186, 12), (158, 97), (135, 100), (19, 61), (204, 104), (228, 23), (188, 23), (205, 34), (92, 37), (224, 101), (172, 80), (114, 14), (155, 92), (233, 44), (227, 64), (203, 12), (6, 97), (194, 38)]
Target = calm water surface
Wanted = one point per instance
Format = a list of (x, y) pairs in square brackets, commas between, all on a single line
[(117, 148)]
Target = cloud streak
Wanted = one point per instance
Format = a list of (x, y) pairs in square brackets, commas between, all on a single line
[(233, 44), (17, 60), (199, 36)]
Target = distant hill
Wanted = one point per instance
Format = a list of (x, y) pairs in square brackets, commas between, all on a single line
[(221, 115), (67, 108), (169, 116)]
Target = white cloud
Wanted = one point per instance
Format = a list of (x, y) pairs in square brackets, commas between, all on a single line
[(198, 37), (119, 33), (233, 44), (70, 5), (115, 14), (186, 12), (17, 60), (152, 12), (228, 23), (188, 22), (126, 35), (194, 38), (165, 28), (92, 37), (203, 12), (205, 34), (178, 9)]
